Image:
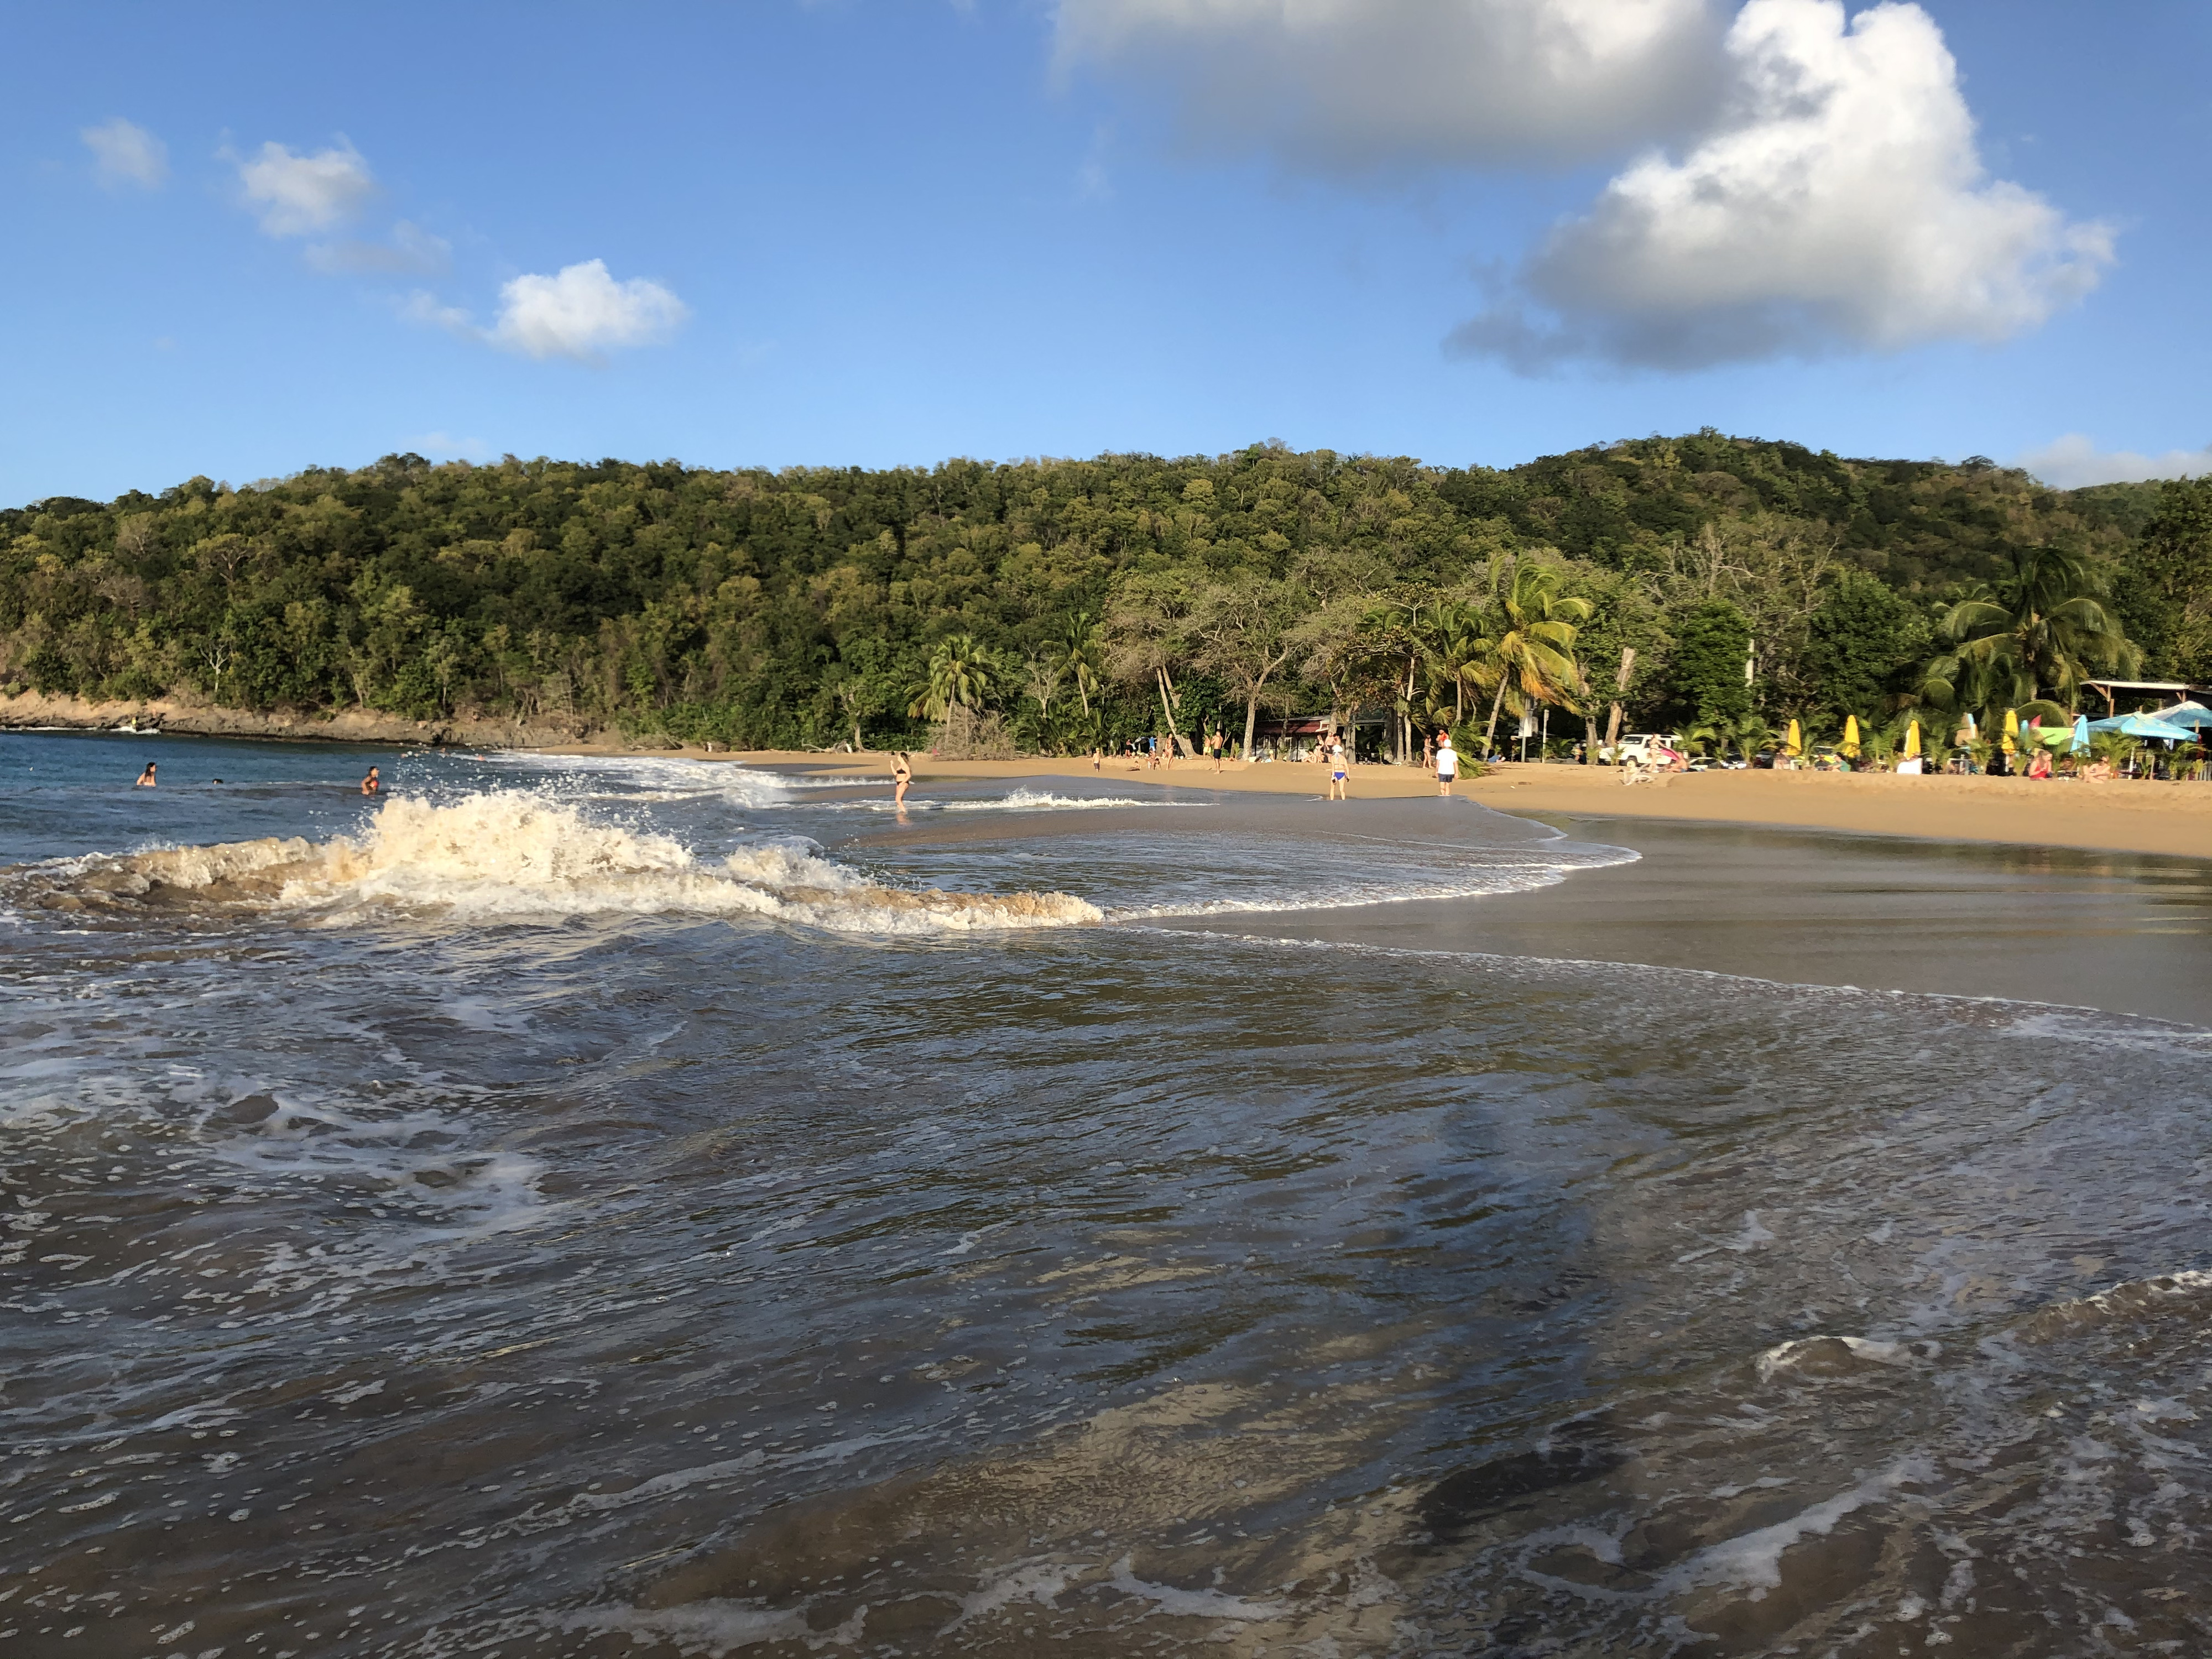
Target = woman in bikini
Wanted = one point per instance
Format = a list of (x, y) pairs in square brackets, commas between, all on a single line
[(902, 775)]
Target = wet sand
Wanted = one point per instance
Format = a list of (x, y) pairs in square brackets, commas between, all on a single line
[(2123, 933), (2127, 932)]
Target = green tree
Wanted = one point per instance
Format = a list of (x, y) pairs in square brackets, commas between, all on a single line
[(2166, 588), (1243, 629), (961, 673), (1712, 644), (1863, 637), (1532, 654), (2042, 629)]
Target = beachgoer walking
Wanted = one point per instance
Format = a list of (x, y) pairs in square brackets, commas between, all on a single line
[(1097, 758), (1447, 764), (371, 784), (902, 775), (1340, 785), (146, 778)]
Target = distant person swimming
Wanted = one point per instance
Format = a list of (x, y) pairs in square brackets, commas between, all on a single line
[(146, 778), (372, 783)]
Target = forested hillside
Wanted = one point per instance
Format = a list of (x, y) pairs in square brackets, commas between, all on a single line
[(796, 608)]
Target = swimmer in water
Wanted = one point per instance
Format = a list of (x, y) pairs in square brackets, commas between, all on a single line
[(902, 775), (146, 778), (371, 784)]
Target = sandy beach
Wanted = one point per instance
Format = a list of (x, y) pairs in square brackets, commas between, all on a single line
[(2120, 817)]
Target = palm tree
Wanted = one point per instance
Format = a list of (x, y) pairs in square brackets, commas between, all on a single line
[(2042, 628), (1750, 734), (1458, 653), (961, 673), (1532, 654), (1081, 656)]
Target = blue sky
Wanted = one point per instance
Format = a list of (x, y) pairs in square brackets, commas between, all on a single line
[(251, 239)]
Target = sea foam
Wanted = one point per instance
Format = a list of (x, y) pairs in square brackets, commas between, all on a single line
[(510, 854)]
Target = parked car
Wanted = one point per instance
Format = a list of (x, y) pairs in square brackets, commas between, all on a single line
[(1638, 746)]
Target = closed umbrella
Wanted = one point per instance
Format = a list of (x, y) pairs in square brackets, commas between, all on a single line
[(1794, 743), (2080, 734), (1849, 748), (2011, 730), (1913, 741)]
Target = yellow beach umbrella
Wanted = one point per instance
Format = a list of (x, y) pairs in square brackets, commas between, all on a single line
[(2011, 730), (1793, 744), (1849, 748), (1913, 741)]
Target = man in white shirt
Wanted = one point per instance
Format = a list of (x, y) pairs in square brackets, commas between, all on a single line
[(1447, 764)]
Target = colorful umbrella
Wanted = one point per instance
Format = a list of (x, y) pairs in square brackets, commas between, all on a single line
[(2011, 730), (1913, 741), (2080, 734), (1849, 748), (1793, 744)]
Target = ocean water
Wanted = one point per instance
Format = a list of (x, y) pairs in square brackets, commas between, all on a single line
[(650, 1207)]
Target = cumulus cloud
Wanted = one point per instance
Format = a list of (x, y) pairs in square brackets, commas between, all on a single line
[(299, 195), (125, 154), (1838, 200), (411, 250), (1344, 86), (2074, 461), (583, 312)]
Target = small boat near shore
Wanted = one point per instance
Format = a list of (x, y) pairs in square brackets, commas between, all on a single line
[(132, 728)]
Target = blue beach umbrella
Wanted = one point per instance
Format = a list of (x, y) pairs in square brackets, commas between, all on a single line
[(2080, 734), (2143, 726), (2194, 715)]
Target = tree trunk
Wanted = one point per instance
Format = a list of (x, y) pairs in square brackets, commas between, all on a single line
[(1166, 709), (1589, 740), (1490, 735)]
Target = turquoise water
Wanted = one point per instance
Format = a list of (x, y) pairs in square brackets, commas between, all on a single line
[(648, 1207)]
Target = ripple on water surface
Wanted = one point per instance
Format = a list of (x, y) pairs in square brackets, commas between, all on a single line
[(614, 1278)]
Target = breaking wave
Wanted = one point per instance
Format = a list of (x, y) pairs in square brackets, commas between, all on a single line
[(509, 855)]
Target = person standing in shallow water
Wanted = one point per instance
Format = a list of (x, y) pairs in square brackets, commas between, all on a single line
[(371, 783), (902, 775), (1340, 785), (146, 777)]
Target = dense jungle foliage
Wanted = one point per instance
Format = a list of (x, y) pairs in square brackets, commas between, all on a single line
[(1086, 600)]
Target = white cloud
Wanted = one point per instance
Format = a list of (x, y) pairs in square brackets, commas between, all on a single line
[(124, 153), (1340, 86), (582, 313), (298, 195), (424, 306), (411, 250), (2074, 461), (1837, 200)]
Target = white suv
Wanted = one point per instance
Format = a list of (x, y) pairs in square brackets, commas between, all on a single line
[(1639, 746)]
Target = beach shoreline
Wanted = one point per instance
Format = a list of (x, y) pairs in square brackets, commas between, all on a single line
[(2123, 815)]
